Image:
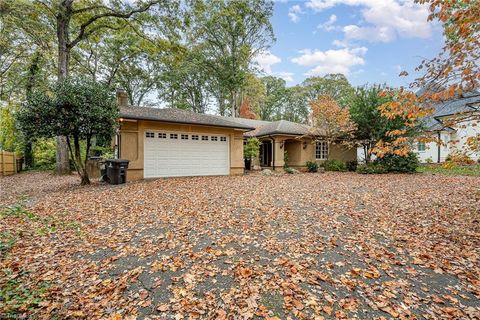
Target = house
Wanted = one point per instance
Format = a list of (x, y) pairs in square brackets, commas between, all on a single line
[(453, 122), (173, 142)]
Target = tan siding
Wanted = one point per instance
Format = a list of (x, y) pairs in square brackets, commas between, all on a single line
[(132, 140)]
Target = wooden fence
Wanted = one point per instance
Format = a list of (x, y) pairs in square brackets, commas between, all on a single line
[(8, 163)]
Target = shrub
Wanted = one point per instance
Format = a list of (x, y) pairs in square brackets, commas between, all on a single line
[(352, 165), (312, 166), (251, 148), (335, 165), (449, 164), (44, 154), (396, 163), (459, 158), (290, 170), (371, 168)]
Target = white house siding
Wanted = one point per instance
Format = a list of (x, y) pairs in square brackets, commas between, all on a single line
[(463, 132), (431, 149)]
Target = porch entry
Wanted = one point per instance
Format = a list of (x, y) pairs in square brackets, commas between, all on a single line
[(266, 154)]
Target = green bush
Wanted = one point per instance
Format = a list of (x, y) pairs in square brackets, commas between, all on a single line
[(335, 165), (371, 168), (44, 154), (312, 166), (290, 170), (352, 165), (395, 163)]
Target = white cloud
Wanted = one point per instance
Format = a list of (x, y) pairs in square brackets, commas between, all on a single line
[(331, 61), (385, 19), (287, 76), (265, 60), (294, 13), (329, 25)]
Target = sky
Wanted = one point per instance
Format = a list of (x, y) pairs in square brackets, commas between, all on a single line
[(370, 41)]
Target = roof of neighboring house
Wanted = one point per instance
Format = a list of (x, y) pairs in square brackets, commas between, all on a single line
[(470, 102), (180, 116), (280, 127)]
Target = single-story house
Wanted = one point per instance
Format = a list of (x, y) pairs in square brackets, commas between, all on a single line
[(173, 142)]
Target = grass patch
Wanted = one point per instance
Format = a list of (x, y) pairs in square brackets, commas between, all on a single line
[(17, 296), (457, 170), (43, 225)]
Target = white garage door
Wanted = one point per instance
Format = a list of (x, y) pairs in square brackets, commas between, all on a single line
[(177, 154)]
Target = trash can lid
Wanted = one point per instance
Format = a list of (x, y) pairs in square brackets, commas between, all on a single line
[(118, 160)]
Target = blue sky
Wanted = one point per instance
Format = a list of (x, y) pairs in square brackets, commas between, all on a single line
[(370, 41)]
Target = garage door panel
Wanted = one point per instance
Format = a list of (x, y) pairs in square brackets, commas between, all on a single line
[(167, 157)]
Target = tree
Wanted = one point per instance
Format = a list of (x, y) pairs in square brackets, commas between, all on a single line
[(77, 109), (331, 122), (275, 97), (296, 107), (231, 34), (333, 85), (456, 68), (403, 108), (371, 125), (246, 111), (75, 22)]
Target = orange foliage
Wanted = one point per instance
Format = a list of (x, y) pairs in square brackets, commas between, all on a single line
[(331, 122), (406, 106), (456, 69), (246, 111)]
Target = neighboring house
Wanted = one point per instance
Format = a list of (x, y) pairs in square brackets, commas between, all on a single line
[(174, 142), (453, 134)]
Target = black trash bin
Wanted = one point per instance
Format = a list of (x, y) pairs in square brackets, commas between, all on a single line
[(116, 170)]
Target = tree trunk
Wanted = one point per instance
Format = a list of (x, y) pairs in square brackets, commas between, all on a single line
[(28, 154), (63, 22)]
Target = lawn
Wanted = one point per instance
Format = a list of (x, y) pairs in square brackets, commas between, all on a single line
[(473, 170), (306, 246)]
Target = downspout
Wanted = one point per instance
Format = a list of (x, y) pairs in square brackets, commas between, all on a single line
[(439, 145), (273, 152)]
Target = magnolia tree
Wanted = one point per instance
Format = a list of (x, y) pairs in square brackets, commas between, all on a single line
[(78, 109), (331, 123)]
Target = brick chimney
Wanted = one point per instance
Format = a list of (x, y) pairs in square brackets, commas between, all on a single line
[(122, 98)]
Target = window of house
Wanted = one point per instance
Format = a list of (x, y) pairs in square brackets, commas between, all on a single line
[(162, 135), (321, 150), (204, 138), (194, 137), (223, 139), (214, 138), (184, 136), (149, 134), (421, 146), (173, 136)]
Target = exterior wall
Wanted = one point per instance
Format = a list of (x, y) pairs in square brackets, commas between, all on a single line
[(464, 131), (302, 150), (132, 135)]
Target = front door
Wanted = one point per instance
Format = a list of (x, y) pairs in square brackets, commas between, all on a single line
[(266, 154)]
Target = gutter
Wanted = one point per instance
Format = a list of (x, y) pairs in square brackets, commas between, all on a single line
[(243, 128)]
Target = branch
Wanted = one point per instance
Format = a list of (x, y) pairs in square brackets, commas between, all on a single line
[(112, 14)]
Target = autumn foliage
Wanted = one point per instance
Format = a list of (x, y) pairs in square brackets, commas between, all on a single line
[(331, 122), (406, 107), (246, 111), (456, 68)]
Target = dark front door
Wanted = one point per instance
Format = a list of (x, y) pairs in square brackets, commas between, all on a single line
[(266, 154)]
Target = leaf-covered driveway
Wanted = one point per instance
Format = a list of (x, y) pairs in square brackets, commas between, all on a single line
[(308, 246)]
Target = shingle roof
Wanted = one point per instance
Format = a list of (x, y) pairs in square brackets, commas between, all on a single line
[(280, 127), (180, 116), (467, 103)]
